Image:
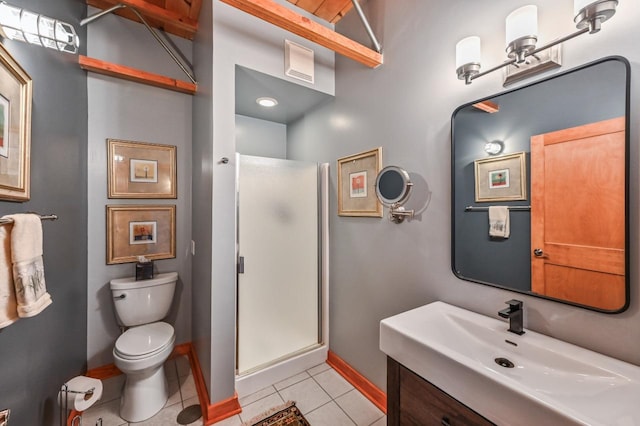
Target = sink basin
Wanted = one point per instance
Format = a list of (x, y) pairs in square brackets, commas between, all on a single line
[(548, 381)]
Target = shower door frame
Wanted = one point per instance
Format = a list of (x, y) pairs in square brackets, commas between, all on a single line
[(322, 271)]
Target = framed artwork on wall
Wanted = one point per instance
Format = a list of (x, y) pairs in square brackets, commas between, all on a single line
[(356, 184), (141, 170), (15, 129), (140, 230), (501, 178)]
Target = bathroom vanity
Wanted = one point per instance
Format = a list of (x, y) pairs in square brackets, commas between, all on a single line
[(414, 401), (449, 366)]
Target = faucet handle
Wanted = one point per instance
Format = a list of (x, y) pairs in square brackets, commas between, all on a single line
[(514, 305)]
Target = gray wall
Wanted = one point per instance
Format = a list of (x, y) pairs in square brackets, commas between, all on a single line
[(261, 138), (416, 91), (240, 39), (552, 105), (201, 175), (120, 109), (40, 353)]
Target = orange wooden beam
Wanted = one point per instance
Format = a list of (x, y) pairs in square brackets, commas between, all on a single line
[(160, 14), (136, 75), (487, 106), (293, 22)]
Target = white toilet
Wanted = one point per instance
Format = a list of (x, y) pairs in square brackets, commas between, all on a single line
[(140, 352)]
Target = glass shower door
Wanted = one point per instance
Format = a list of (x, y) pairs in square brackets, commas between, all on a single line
[(278, 306)]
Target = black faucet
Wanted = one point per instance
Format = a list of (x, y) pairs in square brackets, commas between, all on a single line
[(514, 314)]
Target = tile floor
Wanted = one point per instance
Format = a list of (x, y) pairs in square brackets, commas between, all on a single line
[(323, 396)]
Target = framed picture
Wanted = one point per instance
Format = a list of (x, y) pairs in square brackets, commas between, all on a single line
[(141, 170), (133, 231), (15, 129), (356, 184), (501, 178)]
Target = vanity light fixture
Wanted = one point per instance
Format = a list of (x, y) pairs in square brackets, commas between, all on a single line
[(20, 24), (522, 36), (267, 102)]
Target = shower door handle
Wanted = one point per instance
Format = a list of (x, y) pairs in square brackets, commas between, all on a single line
[(241, 264)]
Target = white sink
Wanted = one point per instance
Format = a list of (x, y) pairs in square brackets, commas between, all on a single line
[(552, 382)]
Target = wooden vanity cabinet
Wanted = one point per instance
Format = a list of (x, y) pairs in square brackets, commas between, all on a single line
[(411, 400)]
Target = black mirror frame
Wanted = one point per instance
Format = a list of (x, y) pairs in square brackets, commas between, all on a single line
[(627, 114)]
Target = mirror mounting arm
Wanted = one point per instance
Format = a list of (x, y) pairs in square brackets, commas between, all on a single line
[(397, 213)]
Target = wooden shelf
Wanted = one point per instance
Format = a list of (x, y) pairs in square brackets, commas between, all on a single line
[(136, 75), (297, 24)]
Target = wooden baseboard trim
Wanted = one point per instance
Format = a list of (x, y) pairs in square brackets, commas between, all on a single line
[(211, 413), (104, 372), (368, 389)]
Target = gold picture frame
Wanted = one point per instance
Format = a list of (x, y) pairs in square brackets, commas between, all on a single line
[(501, 178), (356, 184), (15, 129), (140, 230), (141, 170)]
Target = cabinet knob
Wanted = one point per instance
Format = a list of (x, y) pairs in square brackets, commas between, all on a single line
[(445, 421), (538, 252)]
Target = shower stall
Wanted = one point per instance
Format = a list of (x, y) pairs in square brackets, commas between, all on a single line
[(282, 322)]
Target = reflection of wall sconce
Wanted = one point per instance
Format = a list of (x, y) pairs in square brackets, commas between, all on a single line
[(494, 148), (522, 35), (20, 24)]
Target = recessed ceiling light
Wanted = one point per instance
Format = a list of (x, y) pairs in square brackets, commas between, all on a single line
[(267, 102)]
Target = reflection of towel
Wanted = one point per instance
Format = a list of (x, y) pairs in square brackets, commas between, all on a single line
[(28, 269), (499, 221), (8, 309)]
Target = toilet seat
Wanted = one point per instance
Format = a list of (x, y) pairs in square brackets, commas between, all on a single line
[(144, 341)]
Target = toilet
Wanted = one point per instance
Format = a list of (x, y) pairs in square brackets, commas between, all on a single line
[(140, 352)]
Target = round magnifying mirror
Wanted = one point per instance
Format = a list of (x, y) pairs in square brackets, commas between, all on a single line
[(393, 186)]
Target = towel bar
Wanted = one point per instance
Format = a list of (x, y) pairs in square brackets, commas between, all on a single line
[(42, 217), (484, 209)]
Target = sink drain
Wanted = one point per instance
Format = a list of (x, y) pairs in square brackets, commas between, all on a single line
[(503, 362), (189, 415)]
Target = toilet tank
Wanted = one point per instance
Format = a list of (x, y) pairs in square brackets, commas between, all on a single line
[(144, 301)]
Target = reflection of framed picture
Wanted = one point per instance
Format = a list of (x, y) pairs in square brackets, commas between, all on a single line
[(501, 178), (356, 180), (140, 230), (141, 170), (15, 129)]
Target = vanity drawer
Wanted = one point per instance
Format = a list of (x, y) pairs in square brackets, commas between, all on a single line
[(415, 401)]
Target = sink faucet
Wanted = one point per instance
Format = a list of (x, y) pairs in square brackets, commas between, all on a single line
[(514, 314)]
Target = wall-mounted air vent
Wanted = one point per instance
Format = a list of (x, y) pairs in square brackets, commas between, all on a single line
[(298, 61)]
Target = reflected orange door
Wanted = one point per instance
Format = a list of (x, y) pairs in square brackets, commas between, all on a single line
[(578, 214)]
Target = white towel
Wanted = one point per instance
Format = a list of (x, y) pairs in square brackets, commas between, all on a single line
[(28, 268), (499, 222), (8, 305)]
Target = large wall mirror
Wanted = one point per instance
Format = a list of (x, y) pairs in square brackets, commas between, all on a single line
[(549, 163)]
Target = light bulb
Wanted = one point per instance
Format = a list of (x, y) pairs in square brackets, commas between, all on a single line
[(522, 22), (468, 51), (267, 102)]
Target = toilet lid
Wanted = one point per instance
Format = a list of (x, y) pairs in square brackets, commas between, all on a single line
[(145, 339)]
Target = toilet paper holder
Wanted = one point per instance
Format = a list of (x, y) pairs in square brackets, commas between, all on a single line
[(63, 399), (64, 408)]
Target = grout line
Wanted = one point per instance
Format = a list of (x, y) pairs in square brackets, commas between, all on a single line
[(327, 392), (175, 367), (345, 411)]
